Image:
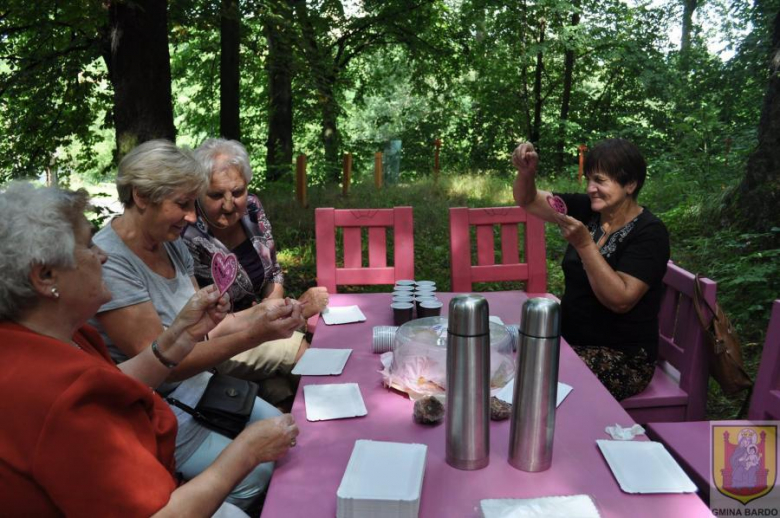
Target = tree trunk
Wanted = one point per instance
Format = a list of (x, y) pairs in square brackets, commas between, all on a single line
[(757, 198), (325, 73), (280, 109), (568, 72), (229, 71), (139, 68), (536, 128), (689, 6)]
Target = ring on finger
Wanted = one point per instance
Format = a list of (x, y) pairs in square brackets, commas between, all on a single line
[(293, 442)]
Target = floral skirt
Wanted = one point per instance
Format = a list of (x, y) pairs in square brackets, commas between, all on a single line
[(623, 374)]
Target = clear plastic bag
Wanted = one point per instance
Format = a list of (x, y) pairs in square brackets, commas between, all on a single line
[(418, 363)]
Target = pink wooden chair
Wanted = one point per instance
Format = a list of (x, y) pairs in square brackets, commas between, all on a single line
[(690, 442), (464, 274), (765, 403), (352, 221), (678, 390)]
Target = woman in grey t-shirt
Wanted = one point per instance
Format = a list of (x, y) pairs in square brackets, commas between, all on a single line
[(149, 273)]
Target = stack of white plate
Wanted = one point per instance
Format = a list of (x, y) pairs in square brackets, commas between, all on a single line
[(382, 480)]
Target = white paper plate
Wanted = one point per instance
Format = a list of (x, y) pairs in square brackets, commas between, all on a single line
[(342, 315), (507, 392), (333, 401), (382, 479), (645, 467), (322, 362)]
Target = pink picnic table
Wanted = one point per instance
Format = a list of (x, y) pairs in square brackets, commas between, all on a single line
[(305, 482)]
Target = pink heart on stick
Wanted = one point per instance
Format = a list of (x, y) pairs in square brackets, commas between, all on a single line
[(558, 205), (224, 268)]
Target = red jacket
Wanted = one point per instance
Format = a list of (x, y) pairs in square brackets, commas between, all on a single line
[(77, 436)]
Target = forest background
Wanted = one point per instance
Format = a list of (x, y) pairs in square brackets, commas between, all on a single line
[(82, 82)]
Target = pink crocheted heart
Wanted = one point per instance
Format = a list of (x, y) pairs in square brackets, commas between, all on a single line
[(558, 205), (224, 268)]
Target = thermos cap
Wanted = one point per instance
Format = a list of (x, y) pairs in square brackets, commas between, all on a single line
[(469, 315), (541, 318)]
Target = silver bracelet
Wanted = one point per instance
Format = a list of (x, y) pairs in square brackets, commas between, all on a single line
[(165, 361)]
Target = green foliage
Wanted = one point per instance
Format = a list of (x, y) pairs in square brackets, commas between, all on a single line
[(50, 87)]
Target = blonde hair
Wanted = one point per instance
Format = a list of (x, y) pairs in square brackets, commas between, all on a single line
[(157, 169)]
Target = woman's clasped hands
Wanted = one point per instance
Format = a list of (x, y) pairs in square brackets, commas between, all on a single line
[(274, 319)]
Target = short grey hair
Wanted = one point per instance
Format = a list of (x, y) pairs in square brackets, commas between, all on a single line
[(37, 227), (218, 154), (158, 169)]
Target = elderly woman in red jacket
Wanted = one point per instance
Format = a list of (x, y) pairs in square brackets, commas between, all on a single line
[(80, 435)]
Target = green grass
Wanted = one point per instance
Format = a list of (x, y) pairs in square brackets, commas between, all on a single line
[(744, 265)]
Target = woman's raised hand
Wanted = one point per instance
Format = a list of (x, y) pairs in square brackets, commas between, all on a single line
[(276, 318), (573, 231), (525, 159), (200, 315)]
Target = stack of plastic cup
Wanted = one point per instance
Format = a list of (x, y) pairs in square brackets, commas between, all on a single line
[(426, 303), (403, 301)]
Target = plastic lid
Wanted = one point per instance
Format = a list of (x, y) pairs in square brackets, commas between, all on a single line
[(432, 331)]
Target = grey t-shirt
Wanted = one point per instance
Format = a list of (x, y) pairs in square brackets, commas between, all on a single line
[(132, 282)]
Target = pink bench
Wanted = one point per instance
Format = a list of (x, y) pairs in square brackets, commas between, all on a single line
[(690, 442), (533, 269), (678, 390)]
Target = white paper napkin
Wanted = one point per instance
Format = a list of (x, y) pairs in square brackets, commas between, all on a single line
[(507, 392), (322, 362), (333, 401), (342, 315), (619, 433), (497, 320), (575, 506)]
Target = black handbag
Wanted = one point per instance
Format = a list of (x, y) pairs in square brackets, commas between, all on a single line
[(225, 405)]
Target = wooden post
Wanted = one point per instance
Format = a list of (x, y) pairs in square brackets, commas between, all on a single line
[(582, 148), (436, 143), (347, 174), (378, 170), (300, 180), (728, 149)]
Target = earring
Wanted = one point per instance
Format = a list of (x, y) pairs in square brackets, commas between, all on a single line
[(54, 292)]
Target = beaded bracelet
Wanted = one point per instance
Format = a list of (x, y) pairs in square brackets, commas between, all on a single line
[(165, 361)]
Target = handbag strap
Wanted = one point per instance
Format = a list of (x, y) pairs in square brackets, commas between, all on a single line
[(188, 409)]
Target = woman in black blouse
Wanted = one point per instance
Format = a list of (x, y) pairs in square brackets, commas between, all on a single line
[(613, 266)]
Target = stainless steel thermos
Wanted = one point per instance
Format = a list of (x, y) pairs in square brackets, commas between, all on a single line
[(536, 384), (468, 383)]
